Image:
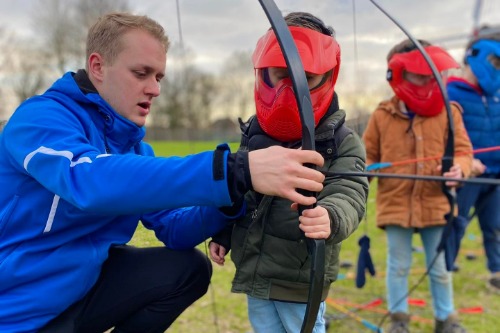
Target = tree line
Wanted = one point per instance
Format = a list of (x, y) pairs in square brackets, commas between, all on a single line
[(190, 97)]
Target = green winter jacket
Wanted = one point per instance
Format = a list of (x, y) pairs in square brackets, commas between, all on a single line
[(268, 248)]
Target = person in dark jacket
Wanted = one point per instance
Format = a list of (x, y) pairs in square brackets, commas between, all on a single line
[(76, 178), (268, 244), (478, 92)]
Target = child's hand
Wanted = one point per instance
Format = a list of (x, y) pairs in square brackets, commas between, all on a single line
[(217, 253), (315, 223), (478, 168), (455, 172)]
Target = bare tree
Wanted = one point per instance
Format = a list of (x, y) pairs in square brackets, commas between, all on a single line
[(22, 71), (199, 92), (26, 72), (186, 100), (62, 26), (187, 95), (57, 31), (31, 76), (236, 85), (3, 44), (87, 11)]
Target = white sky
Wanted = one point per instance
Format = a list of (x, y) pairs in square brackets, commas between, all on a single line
[(213, 29)]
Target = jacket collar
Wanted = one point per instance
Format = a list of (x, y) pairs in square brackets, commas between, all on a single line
[(121, 133), (82, 80), (394, 107), (464, 84)]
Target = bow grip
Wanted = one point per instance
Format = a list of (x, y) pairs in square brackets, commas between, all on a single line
[(307, 193)]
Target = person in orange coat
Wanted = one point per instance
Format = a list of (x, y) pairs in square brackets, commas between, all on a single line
[(414, 124)]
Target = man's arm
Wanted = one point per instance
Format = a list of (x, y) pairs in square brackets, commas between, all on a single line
[(184, 228), (273, 171)]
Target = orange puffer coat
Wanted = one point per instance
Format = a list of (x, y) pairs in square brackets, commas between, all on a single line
[(391, 136)]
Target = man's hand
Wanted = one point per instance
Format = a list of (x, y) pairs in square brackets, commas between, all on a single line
[(280, 171), (217, 253)]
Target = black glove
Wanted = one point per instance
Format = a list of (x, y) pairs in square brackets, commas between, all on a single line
[(451, 239), (364, 262)]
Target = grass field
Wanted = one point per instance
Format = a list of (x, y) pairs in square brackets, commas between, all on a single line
[(220, 311)]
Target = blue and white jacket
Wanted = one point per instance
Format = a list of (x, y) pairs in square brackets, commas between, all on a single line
[(481, 115), (75, 179)]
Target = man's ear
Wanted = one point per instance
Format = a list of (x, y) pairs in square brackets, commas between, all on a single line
[(96, 66)]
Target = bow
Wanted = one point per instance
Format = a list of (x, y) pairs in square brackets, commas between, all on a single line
[(316, 247)]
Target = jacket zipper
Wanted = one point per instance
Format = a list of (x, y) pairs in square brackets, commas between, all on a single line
[(106, 119)]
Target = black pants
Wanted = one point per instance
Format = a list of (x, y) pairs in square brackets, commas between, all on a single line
[(140, 290)]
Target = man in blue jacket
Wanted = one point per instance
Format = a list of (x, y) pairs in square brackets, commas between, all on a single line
[(76, 177), (478, 92)]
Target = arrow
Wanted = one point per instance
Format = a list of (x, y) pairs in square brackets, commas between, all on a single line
[(382, 165)]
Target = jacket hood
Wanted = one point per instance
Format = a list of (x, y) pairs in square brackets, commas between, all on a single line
[(393, 106), (68, 86), (118, 129), (462, 83)]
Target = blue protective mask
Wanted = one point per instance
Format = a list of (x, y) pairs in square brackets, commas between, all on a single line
[(480, 57)]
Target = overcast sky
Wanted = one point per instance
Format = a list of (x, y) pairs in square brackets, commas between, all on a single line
[(213, 29)]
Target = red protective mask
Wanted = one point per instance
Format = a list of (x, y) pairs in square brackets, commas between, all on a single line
[(424, 100), (277, 110)]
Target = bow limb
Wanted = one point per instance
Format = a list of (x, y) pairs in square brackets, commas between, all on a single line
[(447, 159), (316, 247)]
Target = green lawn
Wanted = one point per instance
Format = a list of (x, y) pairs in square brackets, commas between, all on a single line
[(220, 311)]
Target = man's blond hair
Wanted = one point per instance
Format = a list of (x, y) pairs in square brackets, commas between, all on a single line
[(104, 37)]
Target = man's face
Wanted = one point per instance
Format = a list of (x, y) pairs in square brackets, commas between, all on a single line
[(131, 82)]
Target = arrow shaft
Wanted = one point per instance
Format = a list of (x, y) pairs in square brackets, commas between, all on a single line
[(436, 157), (476, 181)]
